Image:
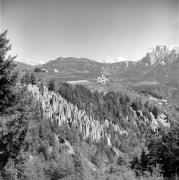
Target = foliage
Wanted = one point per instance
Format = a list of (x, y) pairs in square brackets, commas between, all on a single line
[(52, 85), (109, 106), (30, 145), (33, 160), (8, 75), (29, 78), (116, 108), (163, 152), (37, 70), (14, 128)]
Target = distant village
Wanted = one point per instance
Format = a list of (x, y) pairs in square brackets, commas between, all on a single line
[(103, 79)]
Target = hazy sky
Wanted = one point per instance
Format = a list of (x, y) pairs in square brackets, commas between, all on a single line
[(42, 30), (0, 15), (178, 21)]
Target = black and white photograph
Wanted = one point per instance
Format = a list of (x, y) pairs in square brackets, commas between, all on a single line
[(89, 89)]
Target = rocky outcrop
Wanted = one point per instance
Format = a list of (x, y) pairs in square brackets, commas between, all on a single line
[(160, 121), (58, 110), (163, 120), (155, 123), (63, 145), (161, 55)]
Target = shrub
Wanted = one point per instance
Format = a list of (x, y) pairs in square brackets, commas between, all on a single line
[(29, 78), (37, 70)]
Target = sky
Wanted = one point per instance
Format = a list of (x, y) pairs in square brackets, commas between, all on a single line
[(42, 30), (0, 15), (178, 21)]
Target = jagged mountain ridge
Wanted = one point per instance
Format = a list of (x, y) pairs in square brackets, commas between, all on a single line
[(157, 61), (160, 64), (160, 60), (59, 111), (161, 57)]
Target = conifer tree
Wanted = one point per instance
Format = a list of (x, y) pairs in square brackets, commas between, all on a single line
[(8, 75)]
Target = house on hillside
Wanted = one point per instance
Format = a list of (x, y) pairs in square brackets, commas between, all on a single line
[(44, 70), (56, 70), (164, 101), (153, 98), (102, 80)]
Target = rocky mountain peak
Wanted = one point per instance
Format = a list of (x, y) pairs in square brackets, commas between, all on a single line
[(161, 55)]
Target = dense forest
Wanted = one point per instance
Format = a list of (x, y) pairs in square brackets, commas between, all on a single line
[(29, 142), (159, 149)]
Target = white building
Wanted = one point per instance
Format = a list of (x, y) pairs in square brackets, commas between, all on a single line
[(153, 98), (102, 80), (56, 70), (164, 100), (44, 70)]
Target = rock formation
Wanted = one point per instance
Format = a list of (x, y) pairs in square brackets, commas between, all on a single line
[(60, 111)]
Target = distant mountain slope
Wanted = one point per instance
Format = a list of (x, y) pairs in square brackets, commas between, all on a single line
[(96, 124), (86, 66), (73, 65), (161, 64), (23, 66)]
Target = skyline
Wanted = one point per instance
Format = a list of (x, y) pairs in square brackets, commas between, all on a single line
[(42, 30), (178, 21), (0, 15)]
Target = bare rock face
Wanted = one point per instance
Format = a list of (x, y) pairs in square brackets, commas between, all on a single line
[(160, 121), (154, 124), (162, 55), (63, 145), (58, 110)]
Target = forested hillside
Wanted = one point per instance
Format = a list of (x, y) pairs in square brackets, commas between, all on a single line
[(69, 132)]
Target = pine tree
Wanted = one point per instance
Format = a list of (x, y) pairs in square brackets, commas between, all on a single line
[(8, 75), (29, 78), (52, 85)]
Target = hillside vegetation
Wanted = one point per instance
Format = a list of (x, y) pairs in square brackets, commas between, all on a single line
[(69, 132)]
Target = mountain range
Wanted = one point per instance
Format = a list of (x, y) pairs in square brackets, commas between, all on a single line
[(124, 127), (157, 72)]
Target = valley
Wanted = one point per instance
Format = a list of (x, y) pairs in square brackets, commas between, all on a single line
[(89, 90), (80, 119), (156, 73)]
